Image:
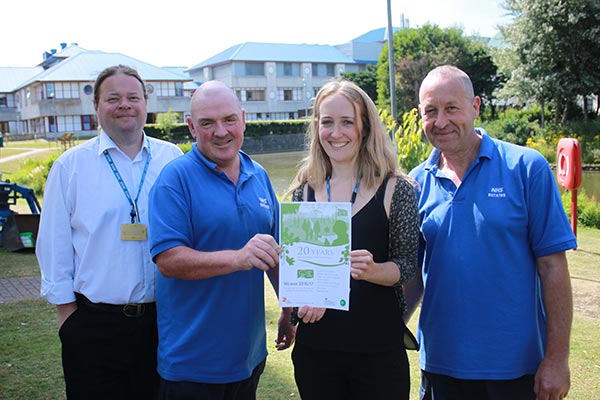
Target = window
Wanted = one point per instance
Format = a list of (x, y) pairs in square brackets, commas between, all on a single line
[(64, 90), (166, 89), (179, 89), (50, 90), (163, 89), (330, 70), (88, 122), (69, 123), (323, 70), (254, 69), (293, 94), (288, 69), (7, 100), (250, 94), (51, 124)]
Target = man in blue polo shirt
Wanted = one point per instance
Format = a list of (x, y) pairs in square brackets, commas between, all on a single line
[(496, 306), (213, 220)]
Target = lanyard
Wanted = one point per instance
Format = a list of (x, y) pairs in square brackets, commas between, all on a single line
[(135, 215), (354, 192)]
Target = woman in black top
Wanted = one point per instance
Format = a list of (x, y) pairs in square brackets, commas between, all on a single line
[(358, 354)]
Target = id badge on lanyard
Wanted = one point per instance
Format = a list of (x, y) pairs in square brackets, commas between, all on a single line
[(134, 230)]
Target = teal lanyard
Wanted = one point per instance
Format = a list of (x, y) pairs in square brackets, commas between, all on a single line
[(354, 192), (135, 215)]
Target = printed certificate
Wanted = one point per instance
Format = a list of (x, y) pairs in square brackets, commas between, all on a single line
[(314, 265)]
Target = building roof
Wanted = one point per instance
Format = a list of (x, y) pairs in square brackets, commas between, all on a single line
[(13, 77), (52, 57), (376, 35), (278, 52), (181, 71), (85, 67), (70, 50)]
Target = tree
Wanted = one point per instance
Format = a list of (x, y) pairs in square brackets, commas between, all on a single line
[(556, 45), (417, 51), (482, 69), (166, 122), (366, 80), (411, 145)]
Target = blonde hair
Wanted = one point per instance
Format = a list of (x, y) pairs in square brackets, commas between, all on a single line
[(376, 157)]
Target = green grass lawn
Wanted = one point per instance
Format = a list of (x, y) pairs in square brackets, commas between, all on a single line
[(9, 151), (26, 145), (30, 356), (20, 147), (30, 365)]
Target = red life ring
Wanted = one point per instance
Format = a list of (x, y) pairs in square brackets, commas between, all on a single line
[(568, 163)]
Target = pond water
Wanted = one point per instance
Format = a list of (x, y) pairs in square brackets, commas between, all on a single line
[(282, 168), (590, 182)]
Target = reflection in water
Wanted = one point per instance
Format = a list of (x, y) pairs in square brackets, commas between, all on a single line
[(590, 183)]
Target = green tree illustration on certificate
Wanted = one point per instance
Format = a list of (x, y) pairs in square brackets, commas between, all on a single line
[(315, 259)]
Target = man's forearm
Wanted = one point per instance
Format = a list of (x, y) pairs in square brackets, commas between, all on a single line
[(558, 303)]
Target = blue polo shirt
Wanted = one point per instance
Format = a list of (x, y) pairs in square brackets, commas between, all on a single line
[(210, 330), (482, 315)]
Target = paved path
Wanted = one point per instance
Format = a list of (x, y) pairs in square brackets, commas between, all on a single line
[(15, 289), (22, 155)]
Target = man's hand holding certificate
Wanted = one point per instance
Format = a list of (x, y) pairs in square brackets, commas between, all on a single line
[(314, 266)]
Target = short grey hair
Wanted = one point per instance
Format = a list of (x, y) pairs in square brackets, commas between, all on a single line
[(450, 71)]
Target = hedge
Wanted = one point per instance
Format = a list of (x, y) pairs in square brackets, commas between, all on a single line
[(256, 129)]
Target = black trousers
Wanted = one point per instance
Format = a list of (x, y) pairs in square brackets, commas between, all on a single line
[(108, 355), (241, 390), (443, 387), (335, 375)]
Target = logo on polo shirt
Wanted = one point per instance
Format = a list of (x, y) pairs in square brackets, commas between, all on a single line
[(264, 203), (497, 192)]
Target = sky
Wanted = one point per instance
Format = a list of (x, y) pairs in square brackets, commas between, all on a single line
[(185, 33)]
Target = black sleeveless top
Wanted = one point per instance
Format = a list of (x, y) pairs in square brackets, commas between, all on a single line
[(374, 321)]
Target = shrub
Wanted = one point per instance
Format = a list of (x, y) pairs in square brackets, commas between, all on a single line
[(513, 126), (590, 216), (539, 143), (33, 174), (522, 127), (166, 122), (593, 156), (588, 209), (412, 147), (185, 147), (263, 128), (180, 133)]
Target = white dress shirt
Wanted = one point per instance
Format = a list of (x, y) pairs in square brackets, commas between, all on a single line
[(79, 247)]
